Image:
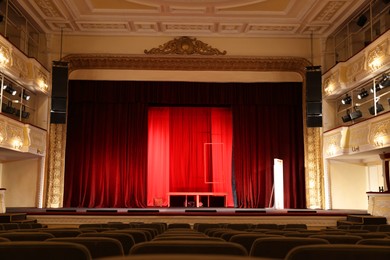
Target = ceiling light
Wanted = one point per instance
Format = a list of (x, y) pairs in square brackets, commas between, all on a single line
[(363, 94), (346, 100)]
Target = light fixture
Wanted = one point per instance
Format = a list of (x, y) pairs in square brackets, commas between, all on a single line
[(355, 114), (377, 88), (379, 108), (363, 94), (346, 100), (26, 96), (346, 118), (9, 89), (385, 81)]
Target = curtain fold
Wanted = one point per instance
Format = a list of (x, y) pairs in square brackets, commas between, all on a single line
[(189, 151), (107, 140)]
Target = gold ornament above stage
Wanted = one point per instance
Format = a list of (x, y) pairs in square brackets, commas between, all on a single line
[(185, 46)]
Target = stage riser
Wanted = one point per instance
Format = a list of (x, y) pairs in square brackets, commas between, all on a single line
[(313, 222)]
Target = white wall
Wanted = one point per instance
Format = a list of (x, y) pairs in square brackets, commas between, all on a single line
[(20, 178), (348, 184)]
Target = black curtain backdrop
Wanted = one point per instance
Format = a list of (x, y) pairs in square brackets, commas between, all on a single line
[(107, 138)]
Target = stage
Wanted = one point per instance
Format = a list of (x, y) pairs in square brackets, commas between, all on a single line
[(72, 217)]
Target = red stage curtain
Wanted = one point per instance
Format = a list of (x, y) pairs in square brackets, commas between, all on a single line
[(189, 150), (107, 139)]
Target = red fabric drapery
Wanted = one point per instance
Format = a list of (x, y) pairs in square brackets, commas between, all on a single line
[(189, 150), (107, 138)]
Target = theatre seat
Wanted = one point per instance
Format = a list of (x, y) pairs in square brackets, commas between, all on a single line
[(43, 250), (374, 241), (278, 247), (339, 252), (97, 246), (27, 236), (126, 240), (339, 239), (188, 247)]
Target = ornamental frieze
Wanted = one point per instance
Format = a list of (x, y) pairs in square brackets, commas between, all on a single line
[(185, 46)]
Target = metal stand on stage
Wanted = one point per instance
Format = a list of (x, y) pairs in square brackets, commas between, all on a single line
[(278, 187)]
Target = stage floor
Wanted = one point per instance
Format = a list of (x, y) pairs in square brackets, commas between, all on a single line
[(72, 217)]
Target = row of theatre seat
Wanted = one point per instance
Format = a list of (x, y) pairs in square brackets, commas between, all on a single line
[(235, 241)]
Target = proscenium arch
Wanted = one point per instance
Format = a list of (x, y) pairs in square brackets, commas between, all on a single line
[(140, 67)]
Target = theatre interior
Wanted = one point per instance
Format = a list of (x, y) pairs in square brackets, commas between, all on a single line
[(161, 129)]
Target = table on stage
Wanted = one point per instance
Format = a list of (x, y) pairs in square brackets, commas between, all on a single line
[(197, 199)]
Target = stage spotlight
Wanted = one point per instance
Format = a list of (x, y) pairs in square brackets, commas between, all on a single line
[(346, 100), (9, 89), (363, 94), (26, 96), (377, 88), (346, 118), (361, 20), (379, 108), (385, 81), (355, 114)]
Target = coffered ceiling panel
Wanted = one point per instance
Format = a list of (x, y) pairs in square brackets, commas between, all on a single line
[(254, 18)]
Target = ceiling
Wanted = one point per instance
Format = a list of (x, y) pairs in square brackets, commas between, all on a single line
[(217, 18)]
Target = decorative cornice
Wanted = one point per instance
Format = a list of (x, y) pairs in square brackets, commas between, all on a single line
[(186, 63), (185, 46)]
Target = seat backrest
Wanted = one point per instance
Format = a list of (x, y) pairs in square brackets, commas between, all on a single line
[(246, 240), (278, 247), (63, 232), (339, 239), (266, 226), (179, 225), (138, 235), (43, 250), (189, 238), (339, 252), (188, 247), (374, 241), (97, 246), (239, 226), (126, 240), (27, 236)]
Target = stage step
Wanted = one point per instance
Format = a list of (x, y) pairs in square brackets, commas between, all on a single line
[(16, 218), (362, 220)]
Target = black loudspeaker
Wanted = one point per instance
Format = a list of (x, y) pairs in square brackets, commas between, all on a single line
[(314, 120), (57, 117), (313, 97), (59, 92), (59, 79), (313, 86)]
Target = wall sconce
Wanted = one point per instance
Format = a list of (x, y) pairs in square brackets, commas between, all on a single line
[(332, 149), (379, 140), (9, 89), (346, 100), (363, 94), (4, 56), (17, 143), (379, 108)]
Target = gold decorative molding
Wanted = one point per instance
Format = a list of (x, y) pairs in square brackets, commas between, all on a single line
[(15, 135), (56, 166), (185, 46), (379, 134), (186, 63)]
